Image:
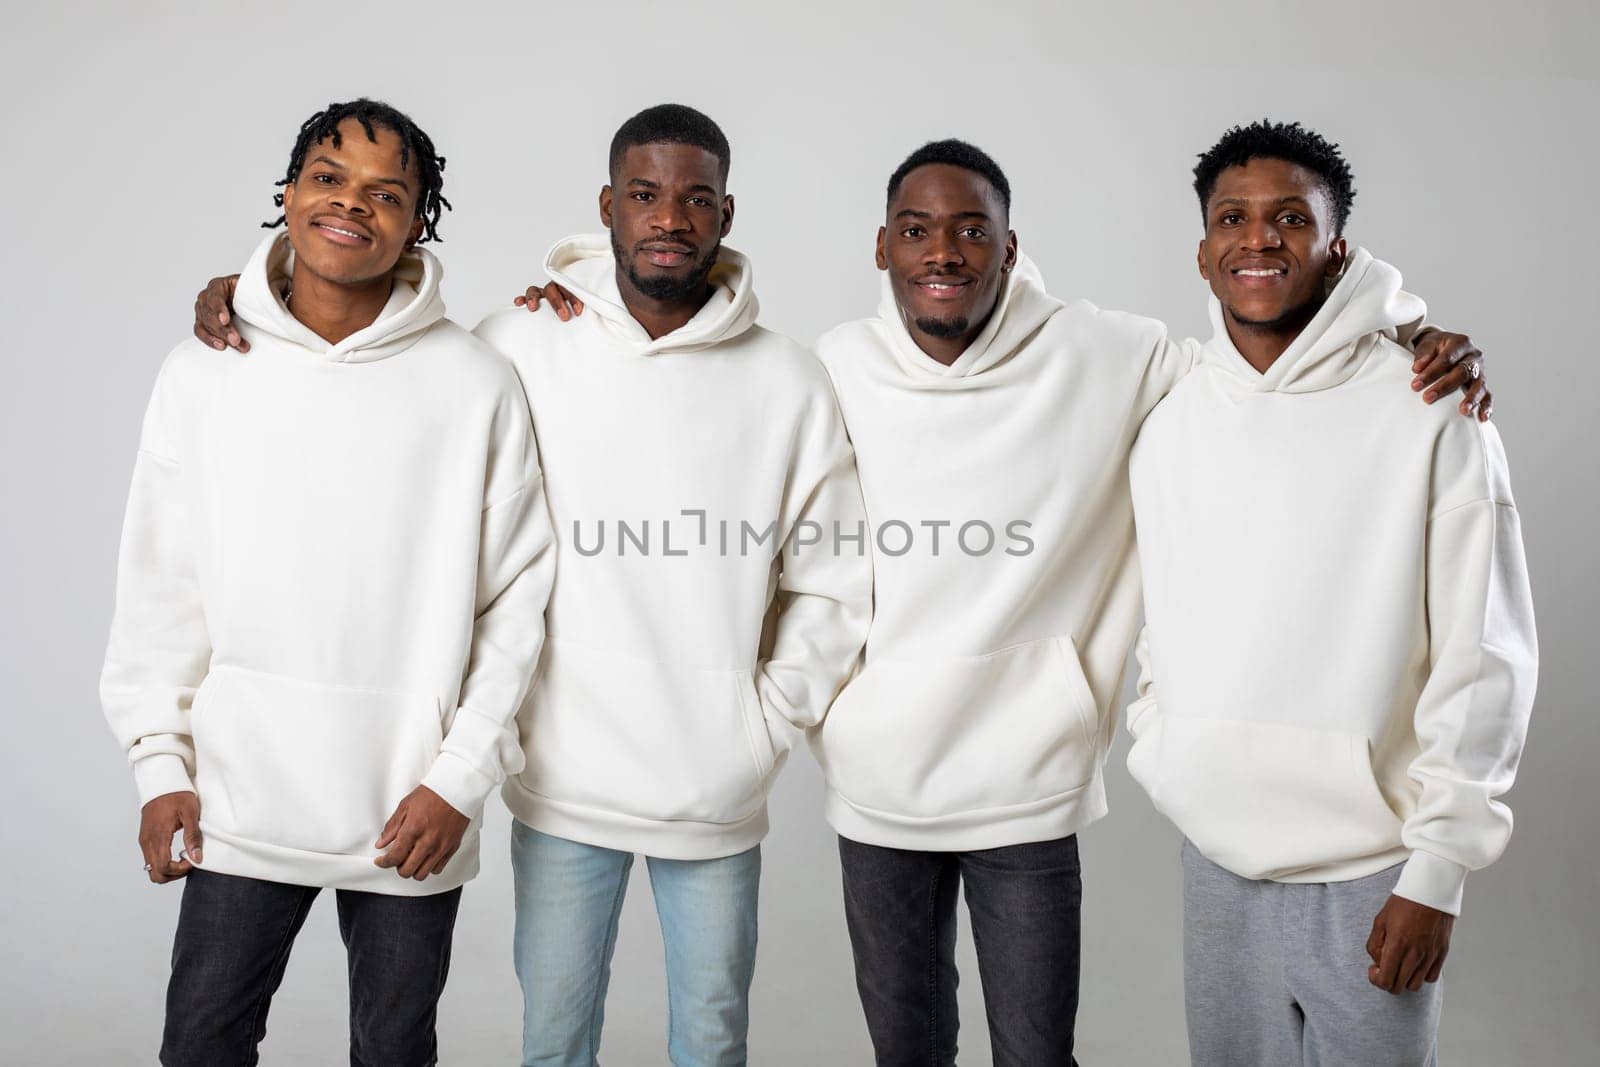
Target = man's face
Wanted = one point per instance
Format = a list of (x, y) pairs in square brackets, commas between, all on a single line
[(946, 246), (1270, 246), (667, 214), (353, 209)]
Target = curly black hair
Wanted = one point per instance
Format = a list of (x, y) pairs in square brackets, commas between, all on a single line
[(672, 124), (324, 126), (956, 154), (1288, 141)]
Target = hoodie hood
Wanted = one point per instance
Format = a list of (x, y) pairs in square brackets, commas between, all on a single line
[(585, 266), (1366, 301), (414, 305), (1021, 308)]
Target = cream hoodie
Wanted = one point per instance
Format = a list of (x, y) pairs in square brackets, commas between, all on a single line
[(1340, 657), (1006, 586), (695, 482), (332, 582)]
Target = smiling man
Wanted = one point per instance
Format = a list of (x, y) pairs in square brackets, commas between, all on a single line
[(1340, 657), (330, 602)]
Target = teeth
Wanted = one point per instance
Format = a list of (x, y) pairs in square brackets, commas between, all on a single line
[(1260, 273), (335, 229)]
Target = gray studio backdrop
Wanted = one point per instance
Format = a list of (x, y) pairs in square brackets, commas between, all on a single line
[(141, 144)]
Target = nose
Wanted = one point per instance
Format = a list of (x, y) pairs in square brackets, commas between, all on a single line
[(941, 250), (1261, 234), (349, 204), (669, 216)]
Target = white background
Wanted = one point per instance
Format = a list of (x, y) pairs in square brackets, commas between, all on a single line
[(141, 143)]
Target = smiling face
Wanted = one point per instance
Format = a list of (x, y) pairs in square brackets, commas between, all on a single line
[(946, 247), (352, 211), (667, 213), (1270, 245)]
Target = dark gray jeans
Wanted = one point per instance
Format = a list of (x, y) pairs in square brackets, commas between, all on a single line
[(1024, 901), (232, 945)]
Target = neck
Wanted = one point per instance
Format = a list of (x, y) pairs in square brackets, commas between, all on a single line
[(660, 317), (335, 310), (1261, 343)]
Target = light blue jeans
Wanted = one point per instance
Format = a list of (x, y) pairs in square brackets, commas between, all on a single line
[(569, 897)]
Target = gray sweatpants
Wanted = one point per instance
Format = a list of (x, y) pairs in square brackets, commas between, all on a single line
[(1275, 975)]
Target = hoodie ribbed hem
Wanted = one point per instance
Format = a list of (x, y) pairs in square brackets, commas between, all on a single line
[(967, 831), (226, 854), (676, 839)]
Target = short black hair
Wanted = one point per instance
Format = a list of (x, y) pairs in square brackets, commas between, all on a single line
[(672, 124), (956, 154), (414, 144), (1288, 141)]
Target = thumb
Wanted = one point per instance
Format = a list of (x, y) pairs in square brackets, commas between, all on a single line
[(191, 832), (391, 829)]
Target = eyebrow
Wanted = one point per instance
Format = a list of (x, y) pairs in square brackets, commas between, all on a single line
[(1242, 202), (336, 165), (910, 213), (648, 184)]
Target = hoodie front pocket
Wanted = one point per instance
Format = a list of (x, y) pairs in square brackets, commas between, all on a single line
[(931, 737), (1265, 800), (652, 740), (307, 766)]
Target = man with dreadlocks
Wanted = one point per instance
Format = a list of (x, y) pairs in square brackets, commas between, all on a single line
[(330, 601)]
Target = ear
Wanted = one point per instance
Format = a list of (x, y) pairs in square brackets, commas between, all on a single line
[(882, 256), (605, 206), (288, 195), (1337, 254), (727, 215), (1011, 252), (415, 235), (1200, 261)]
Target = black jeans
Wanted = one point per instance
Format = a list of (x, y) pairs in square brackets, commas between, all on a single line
[(1024, 901), (233, 942)]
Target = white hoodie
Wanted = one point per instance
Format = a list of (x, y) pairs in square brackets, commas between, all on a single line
[(1340, 655), (1006, 586), (686, 476), (332, 581)]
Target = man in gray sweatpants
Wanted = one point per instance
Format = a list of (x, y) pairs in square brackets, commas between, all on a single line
[(1339, 657)]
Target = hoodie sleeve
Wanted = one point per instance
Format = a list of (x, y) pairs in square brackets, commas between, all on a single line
[(824, 590), (159, 650), (516, 568), (1472, 716)]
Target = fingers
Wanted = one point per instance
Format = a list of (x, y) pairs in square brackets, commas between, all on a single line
[(214, 315), (207, 327), (157, 849), (1375, 940), (1410, 964), (566, 305), (1486, 406), (1471, 397), (1460, 376), (530, 299), (1388, 966), (1437, 969)]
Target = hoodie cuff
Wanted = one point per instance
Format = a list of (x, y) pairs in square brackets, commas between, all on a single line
[(462, 785), (1433, 881), (161, 773)]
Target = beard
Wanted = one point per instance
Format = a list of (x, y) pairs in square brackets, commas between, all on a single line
[(944, 329), (666, 287), (1293, 318)]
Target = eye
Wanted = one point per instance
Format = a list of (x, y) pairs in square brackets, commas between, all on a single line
[(973, 233), (642, 196), (1292, 218), (911, 232), (699, 201), (389, 198), (323, 179), (1230, 218)]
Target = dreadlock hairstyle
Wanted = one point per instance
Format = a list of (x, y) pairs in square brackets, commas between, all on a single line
[(956, 154), (324, 126), (1288, 141), (672, 124)]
